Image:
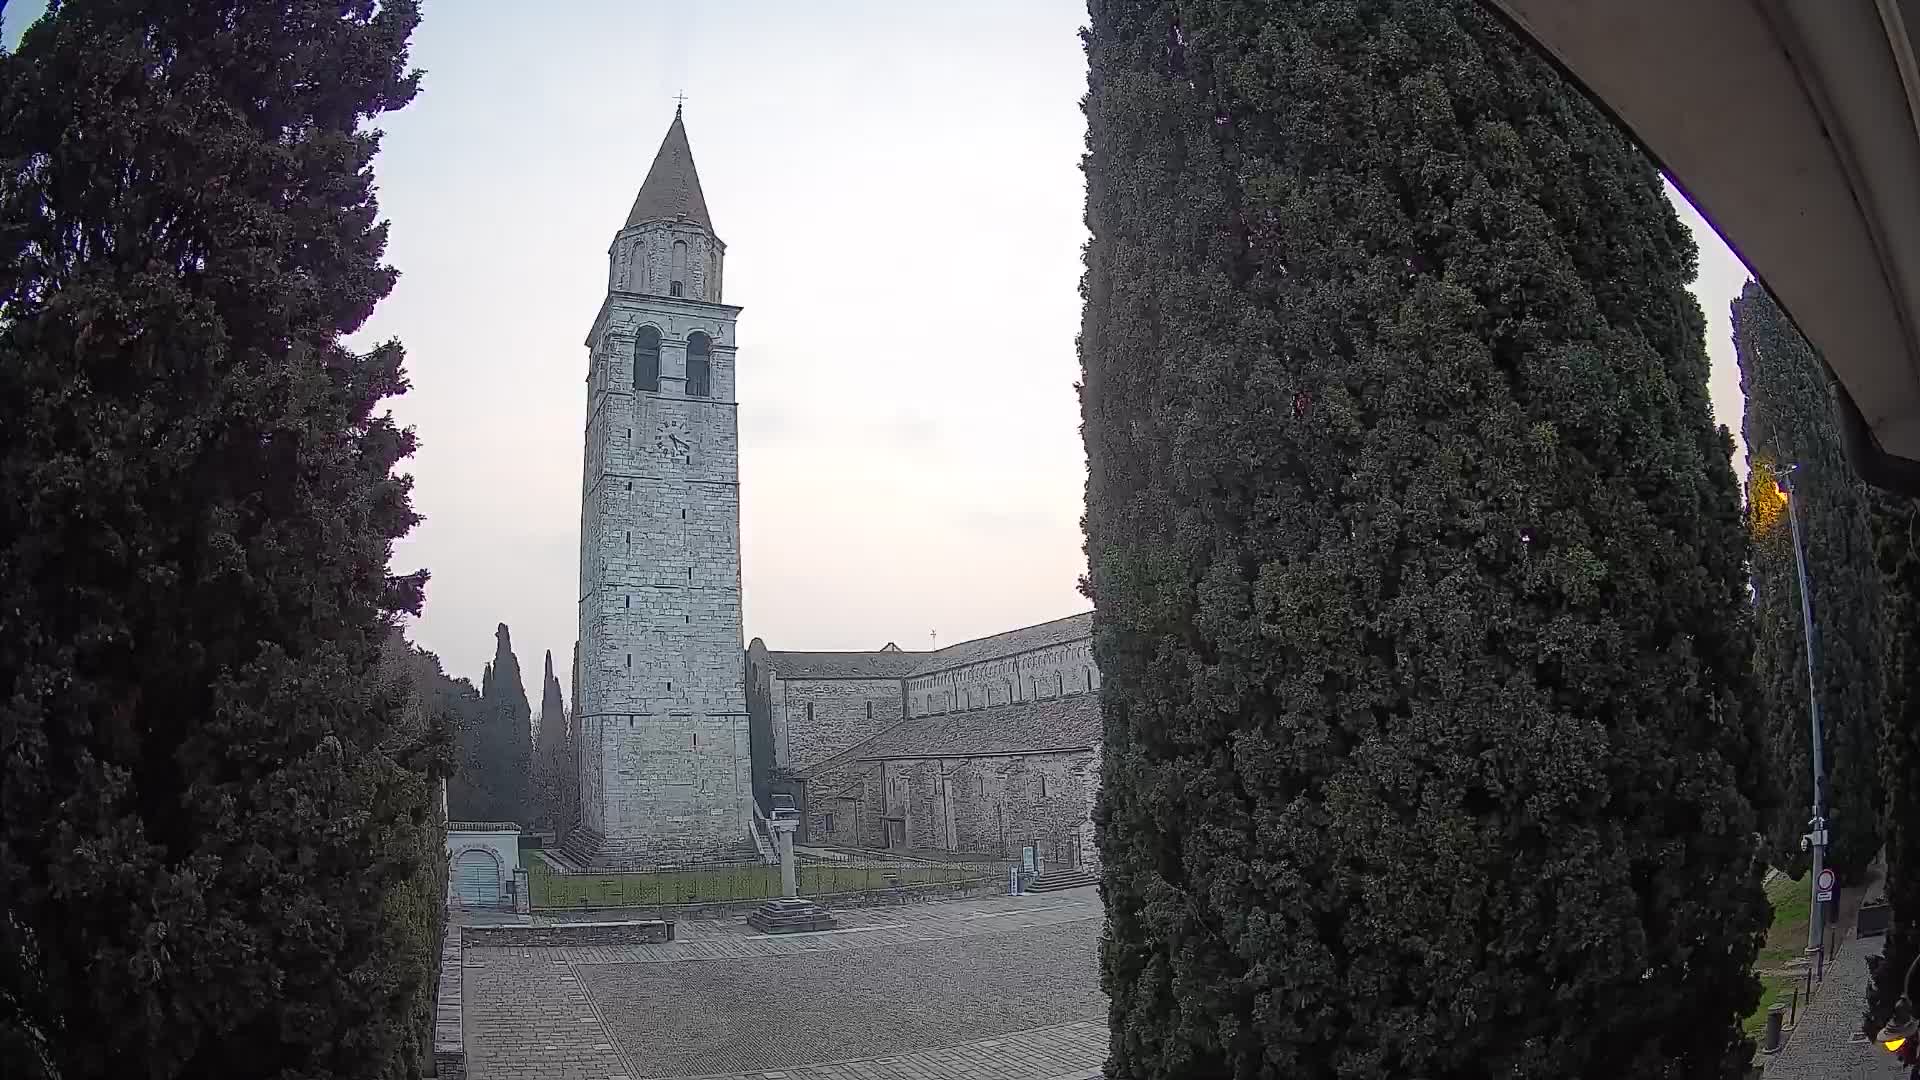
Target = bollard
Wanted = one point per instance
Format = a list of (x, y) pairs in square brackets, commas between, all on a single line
[(1776, 1017)]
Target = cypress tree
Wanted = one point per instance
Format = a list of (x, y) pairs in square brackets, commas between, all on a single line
[(1791, 419), (571, 786), (550, 749), (1896, 526), (214, 802), (506, 735), (1417, 563)]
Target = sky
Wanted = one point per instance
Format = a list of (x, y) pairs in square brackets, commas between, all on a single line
[(898, 187)]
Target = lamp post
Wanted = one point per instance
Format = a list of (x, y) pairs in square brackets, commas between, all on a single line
[(1815, 840)]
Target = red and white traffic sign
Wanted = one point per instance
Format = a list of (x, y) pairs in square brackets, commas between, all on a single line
[(1823, 885)]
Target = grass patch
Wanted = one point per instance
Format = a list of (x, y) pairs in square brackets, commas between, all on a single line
[(1772, 988), (1787, 934), (645, 888)]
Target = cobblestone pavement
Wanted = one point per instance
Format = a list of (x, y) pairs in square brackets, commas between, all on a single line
[(1823, 1043), (529, 1018), (1064, 1052), (1003, 986)]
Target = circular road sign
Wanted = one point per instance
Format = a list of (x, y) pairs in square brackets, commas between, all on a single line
[(1826, 879)]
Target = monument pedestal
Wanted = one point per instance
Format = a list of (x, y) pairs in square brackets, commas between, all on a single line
[(790, 915)]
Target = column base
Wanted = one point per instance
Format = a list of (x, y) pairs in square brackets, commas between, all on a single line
[(790, 915)]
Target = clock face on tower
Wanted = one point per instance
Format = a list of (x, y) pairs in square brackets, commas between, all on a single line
[(672, 441)]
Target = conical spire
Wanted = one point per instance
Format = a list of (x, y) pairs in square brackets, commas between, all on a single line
[(672, 188)]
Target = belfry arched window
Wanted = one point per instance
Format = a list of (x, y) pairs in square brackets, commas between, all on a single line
[(677, 284), (699, 367), (646, 360)]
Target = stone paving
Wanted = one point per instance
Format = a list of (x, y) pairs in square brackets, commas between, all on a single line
[(1823, 1044), (1001, 986)]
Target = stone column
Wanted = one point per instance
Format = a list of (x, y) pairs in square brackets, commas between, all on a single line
[(783, 839)]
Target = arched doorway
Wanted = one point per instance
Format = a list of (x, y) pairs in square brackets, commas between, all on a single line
[(476, 878)]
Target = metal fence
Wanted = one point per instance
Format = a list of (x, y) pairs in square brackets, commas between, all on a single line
[(549, 888)]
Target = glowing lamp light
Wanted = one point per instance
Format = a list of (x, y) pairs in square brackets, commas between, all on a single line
[(1894, 1044)]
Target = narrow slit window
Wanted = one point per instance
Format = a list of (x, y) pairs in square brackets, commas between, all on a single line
[(678, 282)]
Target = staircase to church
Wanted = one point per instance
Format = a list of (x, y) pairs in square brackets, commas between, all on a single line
[(1055, 880)]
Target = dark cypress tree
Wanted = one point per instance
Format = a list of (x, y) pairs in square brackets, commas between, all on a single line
[(1417, 562), (571, 785), (1896, 526), (457, 700), (1791, 419), (505, 744), (550, 750), (213, 797)]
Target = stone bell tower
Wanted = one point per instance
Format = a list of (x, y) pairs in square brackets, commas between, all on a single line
[(661, 710)]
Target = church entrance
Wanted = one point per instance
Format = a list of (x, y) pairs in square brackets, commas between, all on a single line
[(896, 832)]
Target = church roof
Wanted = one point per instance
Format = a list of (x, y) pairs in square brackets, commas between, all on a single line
[(1025, 639), (672, 188), (885, 664), (1023, 727), (892, 662)]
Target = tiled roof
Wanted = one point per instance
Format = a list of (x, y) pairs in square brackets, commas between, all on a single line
[(672, 188), (843, 665), (1062, 723), (979, 650)]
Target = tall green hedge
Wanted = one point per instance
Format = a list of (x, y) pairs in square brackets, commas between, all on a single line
[(1791, 420), (1417, 563), (1896, 528)]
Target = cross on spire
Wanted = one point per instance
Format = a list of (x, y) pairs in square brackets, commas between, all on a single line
[(679, 99)]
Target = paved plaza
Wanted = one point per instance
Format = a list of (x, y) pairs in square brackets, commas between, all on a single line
[(1005, 987)]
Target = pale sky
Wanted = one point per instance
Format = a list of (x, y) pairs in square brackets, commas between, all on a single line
[(898, 186)]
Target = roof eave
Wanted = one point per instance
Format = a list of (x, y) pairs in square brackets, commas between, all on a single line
[(1791, 126)]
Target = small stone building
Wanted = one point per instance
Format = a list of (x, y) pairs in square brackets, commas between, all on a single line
[(483, 864), (990, 747)]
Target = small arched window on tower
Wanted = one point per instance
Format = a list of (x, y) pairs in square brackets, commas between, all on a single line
[(646, 360), (699, 367), (677, 284)]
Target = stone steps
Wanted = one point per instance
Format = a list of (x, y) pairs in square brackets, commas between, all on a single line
[(1055, 880), (792, 915)]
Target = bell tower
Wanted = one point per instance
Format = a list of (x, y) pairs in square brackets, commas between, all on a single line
[(662, 714)]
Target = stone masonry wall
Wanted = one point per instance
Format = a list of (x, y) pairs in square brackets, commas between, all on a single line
[(641, 260), (666, 767), (843, 806), (568, 934), (1040, 673), (814, 719), (997, 804)]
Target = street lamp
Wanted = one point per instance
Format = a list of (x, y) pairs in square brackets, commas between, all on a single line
[(1816, 838)]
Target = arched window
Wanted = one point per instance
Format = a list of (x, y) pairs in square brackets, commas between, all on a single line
[(699, 368), (678, 286), (646, 360)]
